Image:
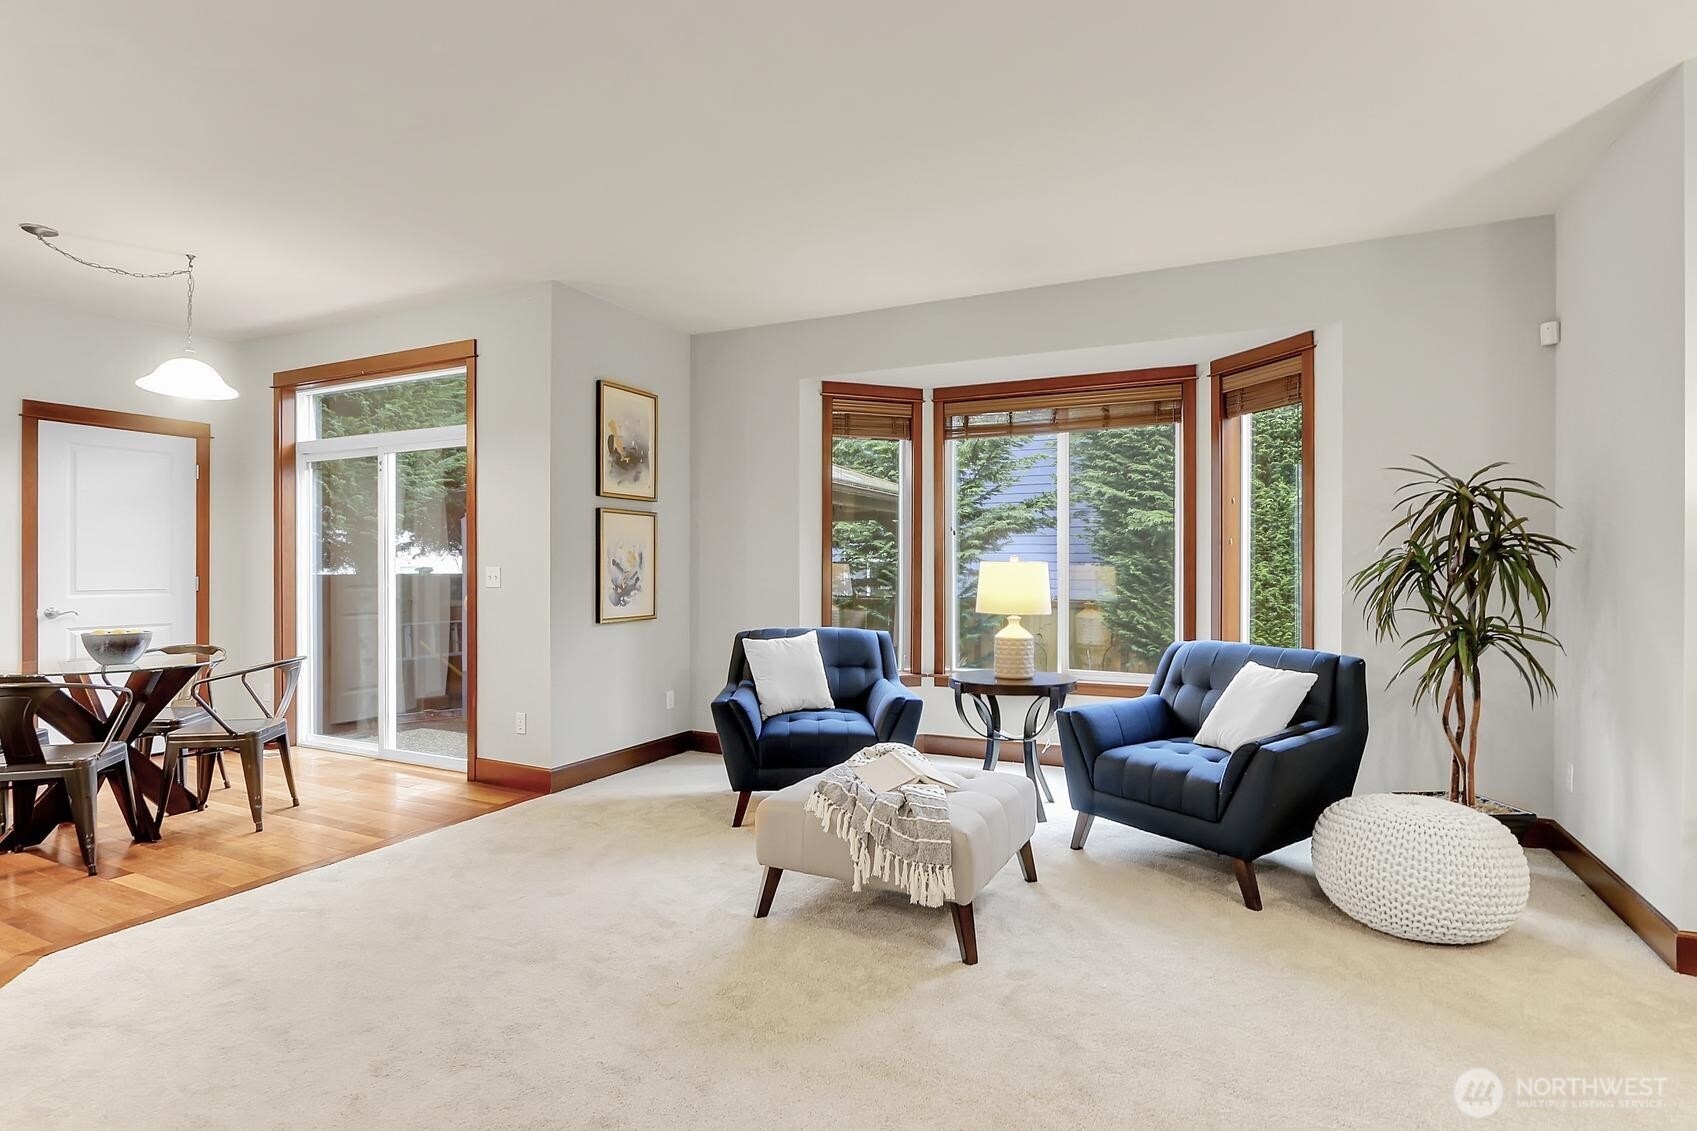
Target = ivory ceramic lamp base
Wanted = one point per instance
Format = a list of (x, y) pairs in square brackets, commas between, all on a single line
[(1016, 652), (1014, 589)]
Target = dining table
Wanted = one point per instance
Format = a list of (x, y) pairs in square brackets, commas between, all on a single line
[(154, 679)]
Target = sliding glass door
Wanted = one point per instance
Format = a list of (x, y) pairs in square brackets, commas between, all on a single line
[(382, 570)]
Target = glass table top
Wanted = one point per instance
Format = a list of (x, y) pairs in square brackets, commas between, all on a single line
[(147, 661)]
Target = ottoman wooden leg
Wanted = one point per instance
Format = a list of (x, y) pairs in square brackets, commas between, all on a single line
[(742, 808), (1251, 890), (964, 934), (768, 888), (1028, 863)]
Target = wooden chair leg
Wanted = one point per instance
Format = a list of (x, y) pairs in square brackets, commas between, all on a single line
[(253, 773), (742, 808), (768, 888), (1245, 870), (1028, 863), (1081, 829), (83, 789), (288, 768), (965, 935)]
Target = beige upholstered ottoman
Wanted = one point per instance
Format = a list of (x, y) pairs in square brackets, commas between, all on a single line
[(991, 817)]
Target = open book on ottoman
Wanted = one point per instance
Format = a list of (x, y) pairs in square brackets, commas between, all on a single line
[(903, 765)]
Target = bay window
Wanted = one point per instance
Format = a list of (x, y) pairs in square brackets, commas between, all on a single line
[(1094, 477)]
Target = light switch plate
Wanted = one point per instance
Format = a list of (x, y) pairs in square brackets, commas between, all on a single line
[(492, 577)]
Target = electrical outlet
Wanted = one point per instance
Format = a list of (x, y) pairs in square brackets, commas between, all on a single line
[(671, 701), (520, 724), (492, 577), (1570, 777)]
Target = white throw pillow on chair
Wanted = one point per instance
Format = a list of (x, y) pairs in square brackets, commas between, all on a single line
[(1259, 701), (789, 674)]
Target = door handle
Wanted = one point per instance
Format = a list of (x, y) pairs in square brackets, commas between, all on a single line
[(53, 613)]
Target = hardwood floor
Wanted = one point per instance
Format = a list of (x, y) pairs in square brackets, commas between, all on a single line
[(349, 805)]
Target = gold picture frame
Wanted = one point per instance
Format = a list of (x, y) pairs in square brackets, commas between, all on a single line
[(626, 565), (627, 442)]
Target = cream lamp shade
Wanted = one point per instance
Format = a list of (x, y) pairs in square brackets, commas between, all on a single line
[(1014, 589)]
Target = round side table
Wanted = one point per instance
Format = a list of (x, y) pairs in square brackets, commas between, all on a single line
[(1048, 690)]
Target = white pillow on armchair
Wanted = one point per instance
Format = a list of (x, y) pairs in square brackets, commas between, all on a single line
[(789, 674), (1259, 701)]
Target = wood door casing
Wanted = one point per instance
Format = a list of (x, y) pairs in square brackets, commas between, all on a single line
[(33, 413), (285, 386)]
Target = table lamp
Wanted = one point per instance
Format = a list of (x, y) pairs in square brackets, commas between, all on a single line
[(1014, 589)]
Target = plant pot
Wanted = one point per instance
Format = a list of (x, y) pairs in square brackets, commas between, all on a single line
[(1516, 819)]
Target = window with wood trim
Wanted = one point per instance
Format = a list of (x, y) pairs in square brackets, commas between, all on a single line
[(871, 511), (1092, 475), (1264, 490)]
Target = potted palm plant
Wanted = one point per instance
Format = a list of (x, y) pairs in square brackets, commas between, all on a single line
[(1468, 567)]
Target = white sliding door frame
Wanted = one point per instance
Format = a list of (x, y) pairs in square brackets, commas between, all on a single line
[(385, 446)]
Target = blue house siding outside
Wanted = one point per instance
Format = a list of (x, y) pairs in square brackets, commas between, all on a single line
[(1039, 545)]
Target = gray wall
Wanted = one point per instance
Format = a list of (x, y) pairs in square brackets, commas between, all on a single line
[(610, 680), (1430, 346), (1623, 393)]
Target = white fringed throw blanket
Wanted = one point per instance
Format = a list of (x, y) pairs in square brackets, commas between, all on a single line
[(900, 837)]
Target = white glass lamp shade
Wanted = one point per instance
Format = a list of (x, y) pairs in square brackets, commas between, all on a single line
[(189, 378), (1013, 588)]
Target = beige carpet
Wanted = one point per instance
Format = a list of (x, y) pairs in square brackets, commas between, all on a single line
[(590, 959)]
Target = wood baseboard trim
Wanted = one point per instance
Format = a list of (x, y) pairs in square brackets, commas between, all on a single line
[(618, 761), (1675, 947), (541, 779), (511, 775), (708, 743), (951, 744)]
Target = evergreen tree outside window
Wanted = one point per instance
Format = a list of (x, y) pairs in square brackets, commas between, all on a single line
[(871, 506), (1264, 570)]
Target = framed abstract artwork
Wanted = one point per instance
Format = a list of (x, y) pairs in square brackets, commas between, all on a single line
[(628, 432), (625, 569)]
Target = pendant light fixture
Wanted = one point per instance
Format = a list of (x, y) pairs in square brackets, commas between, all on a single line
[(185, 376)]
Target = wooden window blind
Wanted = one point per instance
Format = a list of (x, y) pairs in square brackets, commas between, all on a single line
[(871, 419), (1262, 387), (1074, 411)]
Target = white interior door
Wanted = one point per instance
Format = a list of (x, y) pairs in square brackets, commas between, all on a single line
[(116, 531)]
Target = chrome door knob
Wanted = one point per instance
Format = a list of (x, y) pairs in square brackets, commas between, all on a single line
[(53, 613)]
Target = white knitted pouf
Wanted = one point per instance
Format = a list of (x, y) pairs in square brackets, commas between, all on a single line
[(1420, 868)]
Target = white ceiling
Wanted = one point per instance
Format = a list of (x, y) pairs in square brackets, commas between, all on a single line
[(718, 163)]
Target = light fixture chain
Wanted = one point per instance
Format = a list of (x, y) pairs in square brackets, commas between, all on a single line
[(45, 242), (188, 327)]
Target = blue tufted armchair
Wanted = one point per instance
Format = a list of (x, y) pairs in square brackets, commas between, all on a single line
[(1134, 762), (872, 706)]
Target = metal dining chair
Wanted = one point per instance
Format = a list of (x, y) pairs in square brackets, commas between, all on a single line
[(80, 768), (184, 711), (249, 738), (6, 794)]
